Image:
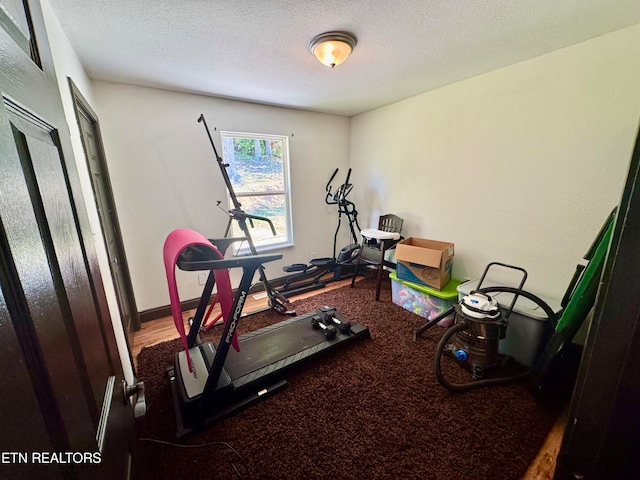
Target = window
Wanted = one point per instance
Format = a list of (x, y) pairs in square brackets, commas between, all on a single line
[(259, 173)]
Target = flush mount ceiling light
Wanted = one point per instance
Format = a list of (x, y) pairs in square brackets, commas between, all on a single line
[(332, 48)]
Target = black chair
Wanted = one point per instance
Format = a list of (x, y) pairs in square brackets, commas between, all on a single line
[(375, 243)]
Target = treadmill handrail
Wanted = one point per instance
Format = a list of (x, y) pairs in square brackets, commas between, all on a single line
[(223, 244), (241, 214), (248, 262)]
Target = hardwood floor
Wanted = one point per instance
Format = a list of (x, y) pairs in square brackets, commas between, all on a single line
[(544, 464), (163, 329)]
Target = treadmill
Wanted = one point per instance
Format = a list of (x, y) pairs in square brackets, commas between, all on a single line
[(223, 381)]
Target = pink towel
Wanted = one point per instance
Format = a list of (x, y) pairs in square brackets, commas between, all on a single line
[(175, 243)]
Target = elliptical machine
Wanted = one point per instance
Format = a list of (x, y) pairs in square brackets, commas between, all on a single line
[(321, 271)]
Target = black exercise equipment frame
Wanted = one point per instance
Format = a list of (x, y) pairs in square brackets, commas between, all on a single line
[(314, 275), (277, 301), (224, 395), (345, 206)]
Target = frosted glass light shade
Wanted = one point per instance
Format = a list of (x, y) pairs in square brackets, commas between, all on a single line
[(332, 48)]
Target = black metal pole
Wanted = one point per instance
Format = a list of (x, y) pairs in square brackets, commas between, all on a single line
[(276, 299), (222, 165)]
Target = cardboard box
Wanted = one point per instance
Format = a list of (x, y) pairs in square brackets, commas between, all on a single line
[(425, 262)]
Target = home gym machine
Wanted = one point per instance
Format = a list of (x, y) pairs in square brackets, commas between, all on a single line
[(210, 382), (277, 301), (321, 271)]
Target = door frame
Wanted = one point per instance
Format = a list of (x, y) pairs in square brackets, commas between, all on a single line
[(79, 102)]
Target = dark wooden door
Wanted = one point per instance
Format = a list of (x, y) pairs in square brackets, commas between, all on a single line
[(603, 433), (94, 153), (61, 373)]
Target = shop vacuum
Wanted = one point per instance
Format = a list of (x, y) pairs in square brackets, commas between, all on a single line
[(480, 324), (473, 339)]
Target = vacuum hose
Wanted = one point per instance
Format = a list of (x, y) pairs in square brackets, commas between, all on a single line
[(459, 327)]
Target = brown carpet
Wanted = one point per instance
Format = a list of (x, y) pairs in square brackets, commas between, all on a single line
[(373, 410)]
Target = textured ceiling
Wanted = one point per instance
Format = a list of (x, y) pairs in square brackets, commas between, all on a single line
[(256, 50)]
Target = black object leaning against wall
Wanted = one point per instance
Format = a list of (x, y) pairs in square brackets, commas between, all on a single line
[(277, 301)]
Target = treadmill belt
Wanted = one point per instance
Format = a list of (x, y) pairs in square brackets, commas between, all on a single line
[(284, 340)]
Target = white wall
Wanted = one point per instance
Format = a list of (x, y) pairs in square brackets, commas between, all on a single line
[(66, 65), (520, 165), (164, 175)]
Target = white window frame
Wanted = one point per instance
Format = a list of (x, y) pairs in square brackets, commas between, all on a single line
[(288, 241)]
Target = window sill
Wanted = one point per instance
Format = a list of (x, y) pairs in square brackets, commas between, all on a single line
[(264, 248)]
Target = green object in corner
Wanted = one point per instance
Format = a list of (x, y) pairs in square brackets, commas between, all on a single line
[(553, 375), (584, 295)]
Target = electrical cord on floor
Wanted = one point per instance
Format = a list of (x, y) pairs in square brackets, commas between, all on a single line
[(243, 463), (211, 444)]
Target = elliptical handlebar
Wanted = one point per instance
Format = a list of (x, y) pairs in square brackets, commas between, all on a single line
[(345, 189), (328, 187), (346, 182), (344, 206), (238, 214), (329, 198), (340, 197)]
